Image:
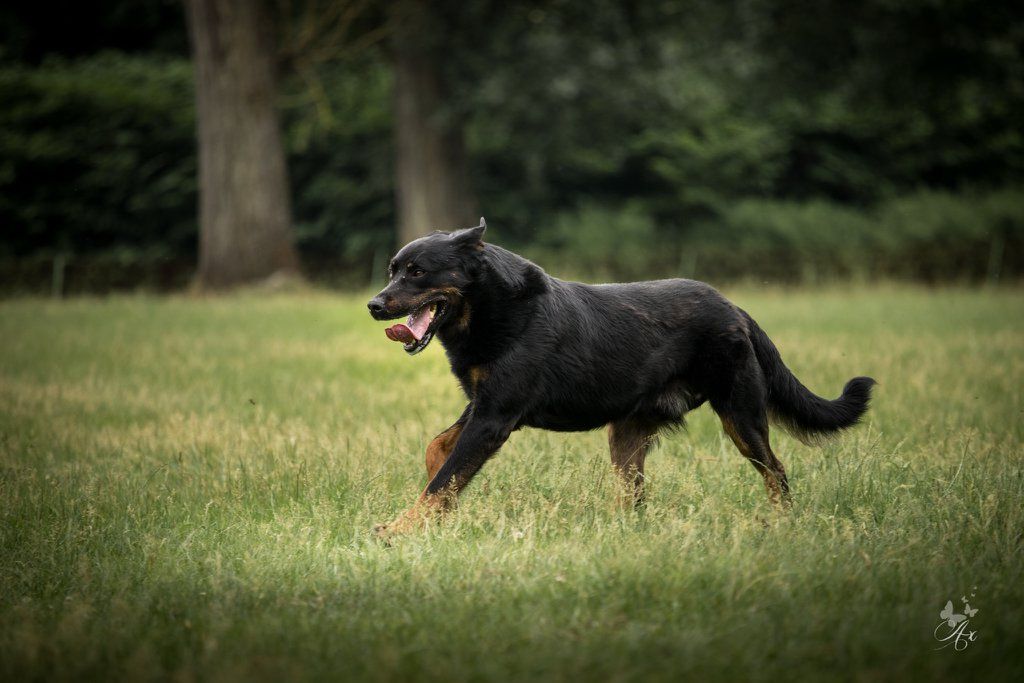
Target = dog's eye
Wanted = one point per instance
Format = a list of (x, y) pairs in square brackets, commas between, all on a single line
[(416, 272)]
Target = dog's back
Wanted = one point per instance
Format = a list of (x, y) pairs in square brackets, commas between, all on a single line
[(621, 349)]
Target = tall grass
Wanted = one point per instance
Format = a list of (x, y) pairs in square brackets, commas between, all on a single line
[(188, 486)]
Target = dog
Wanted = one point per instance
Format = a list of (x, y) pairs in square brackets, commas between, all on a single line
[(530, 350)]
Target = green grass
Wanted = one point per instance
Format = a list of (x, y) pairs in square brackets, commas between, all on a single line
[(187, 488)]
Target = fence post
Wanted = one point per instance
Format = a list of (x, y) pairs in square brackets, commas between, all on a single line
[(57, 280), (995, 258)]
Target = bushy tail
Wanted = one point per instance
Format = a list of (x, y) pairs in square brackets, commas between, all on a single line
[(794, 407)]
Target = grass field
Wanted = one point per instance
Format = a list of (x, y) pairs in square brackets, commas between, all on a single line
[(187, 488)]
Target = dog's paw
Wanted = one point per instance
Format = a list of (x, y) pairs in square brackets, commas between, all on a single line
[(426, 510), (383, 533), (405, 523)]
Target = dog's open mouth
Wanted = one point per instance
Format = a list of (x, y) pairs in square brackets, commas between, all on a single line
[(419, 329)]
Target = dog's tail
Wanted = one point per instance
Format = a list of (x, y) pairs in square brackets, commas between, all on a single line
[(794, 407)]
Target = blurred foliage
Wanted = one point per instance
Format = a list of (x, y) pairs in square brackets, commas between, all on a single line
[(929, 235), (756, 138), (603, 242), (341, 171), (933, 236), (98, 162), (97, 155)]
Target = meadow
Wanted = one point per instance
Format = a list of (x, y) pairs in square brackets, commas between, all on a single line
[(187, 488)]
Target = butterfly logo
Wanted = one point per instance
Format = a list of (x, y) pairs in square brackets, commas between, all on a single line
[(949, 616), (952, 628)]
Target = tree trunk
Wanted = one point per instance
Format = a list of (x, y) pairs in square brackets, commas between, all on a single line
[(432, 185), (245, 231)]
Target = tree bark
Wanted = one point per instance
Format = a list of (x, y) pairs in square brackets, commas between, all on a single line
[(432, 187), (245, 231)]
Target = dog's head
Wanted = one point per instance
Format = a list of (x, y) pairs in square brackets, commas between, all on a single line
[(427, 281)]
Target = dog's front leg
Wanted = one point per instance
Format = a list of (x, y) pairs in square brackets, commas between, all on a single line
[(442, 445), (481, 437)]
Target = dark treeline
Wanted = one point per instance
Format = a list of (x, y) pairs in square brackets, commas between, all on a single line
[(775, 139)]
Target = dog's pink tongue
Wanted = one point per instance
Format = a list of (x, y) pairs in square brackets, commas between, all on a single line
[(399, 333), (413, 329)]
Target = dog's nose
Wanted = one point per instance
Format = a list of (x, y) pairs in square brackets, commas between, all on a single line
[(376, 305)]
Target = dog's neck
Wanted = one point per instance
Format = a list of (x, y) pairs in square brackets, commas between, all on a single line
[(490, 316)]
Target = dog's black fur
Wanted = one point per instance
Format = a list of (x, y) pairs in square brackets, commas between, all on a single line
[(531, 350)]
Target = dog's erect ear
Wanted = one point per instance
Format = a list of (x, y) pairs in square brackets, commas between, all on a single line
[(471, 237), (514, 274)]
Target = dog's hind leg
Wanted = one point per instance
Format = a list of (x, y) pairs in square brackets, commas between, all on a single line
[(751, 438), (629, 440), (742, 406)]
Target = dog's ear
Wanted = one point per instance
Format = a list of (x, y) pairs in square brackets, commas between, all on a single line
[(514, 274), (471, 237)]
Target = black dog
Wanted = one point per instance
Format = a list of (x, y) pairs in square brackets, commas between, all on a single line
[(533, 351)]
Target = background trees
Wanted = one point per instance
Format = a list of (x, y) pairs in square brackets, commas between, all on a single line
[(244, 206), (761, 138), (432, 188)]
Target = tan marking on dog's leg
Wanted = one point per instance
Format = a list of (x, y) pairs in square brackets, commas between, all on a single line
[(427, 508), (765, 462), (440, 448), (629, 441)]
